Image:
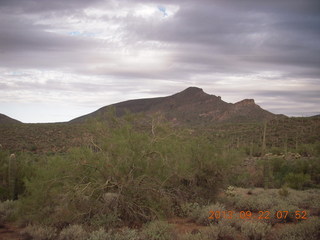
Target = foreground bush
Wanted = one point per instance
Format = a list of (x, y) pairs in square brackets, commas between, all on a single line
[(7, 209), (189, 210), (255, 230), (100, 234), (284, 207), (128, 176), (73, 232), (298, 180), (214, 211), (308, 229), (158, 230), (38, 232), (255, 203)]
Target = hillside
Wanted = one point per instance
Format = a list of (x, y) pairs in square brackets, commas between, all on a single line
[(7, 120), (240, 123), (192, 105)]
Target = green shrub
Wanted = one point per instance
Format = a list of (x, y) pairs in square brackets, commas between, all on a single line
[(202, 215), (222, 230), (283, 207), (111, 220), (124, 234), (129, 173), (38, 232), (189, 209), (100, 234), (191, 236), (308, 199), (234, 222), (158, 230), (255, 230), (297, 180), (284, 192), (308, 229), (230, 191), (226, 231), (135, 176), (253, 203), (266, 199), (127, 234), (73, 232), (210, 233), (13, 170), (7, 209)]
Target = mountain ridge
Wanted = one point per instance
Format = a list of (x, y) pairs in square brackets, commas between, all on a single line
[(4, 119), (192, 105)]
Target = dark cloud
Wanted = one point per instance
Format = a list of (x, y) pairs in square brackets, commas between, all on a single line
[(40, 6), (306, 96), (206, 43), (21, 36), (257, 33)]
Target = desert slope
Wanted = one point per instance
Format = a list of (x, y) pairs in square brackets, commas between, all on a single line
[(192, 105)]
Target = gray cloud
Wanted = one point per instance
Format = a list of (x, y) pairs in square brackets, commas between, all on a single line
[(247, 35), (41, 6), (309, 96), (243, 47)]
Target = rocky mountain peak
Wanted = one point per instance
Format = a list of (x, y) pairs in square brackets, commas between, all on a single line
[(245, 102)]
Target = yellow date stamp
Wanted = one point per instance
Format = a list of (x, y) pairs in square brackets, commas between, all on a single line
[(261, 215)]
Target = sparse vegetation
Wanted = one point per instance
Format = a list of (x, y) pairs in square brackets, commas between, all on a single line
[(309, 229), (255, 230), (202, 215), (38, 232), (135, 171), (7, 209), (73, 232), (158, 230), (100, 234)]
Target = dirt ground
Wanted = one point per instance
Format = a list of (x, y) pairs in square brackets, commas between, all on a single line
[(181, 225), (9, 232)]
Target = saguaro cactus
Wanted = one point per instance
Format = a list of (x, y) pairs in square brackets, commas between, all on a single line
[(266, 165), (12, 169), (286, 145), (264, 145)]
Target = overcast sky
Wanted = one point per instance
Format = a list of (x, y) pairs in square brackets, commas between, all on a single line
[(62, 59)]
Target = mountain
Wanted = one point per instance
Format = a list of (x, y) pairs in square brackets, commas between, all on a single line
[(7, 120), (192, 105)]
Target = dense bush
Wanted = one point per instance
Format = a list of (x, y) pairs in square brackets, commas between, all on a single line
[(158, 230), (222, 230), (202, 215), (298, 180), (308, 229), (100, 234), (73, 232), (38, 232), (14, 168), (226, 231), (255, 230), (132, 171), (190, 236), (7, 209), (255, 203), (131, 175), (189, 210)]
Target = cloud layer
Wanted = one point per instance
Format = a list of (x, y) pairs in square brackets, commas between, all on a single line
[(75, 56)]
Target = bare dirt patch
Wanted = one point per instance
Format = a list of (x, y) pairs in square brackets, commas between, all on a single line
[(9, 232), (184, 225)]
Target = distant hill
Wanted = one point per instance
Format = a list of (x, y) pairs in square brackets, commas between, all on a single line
[(7, 120), (192, 106)]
